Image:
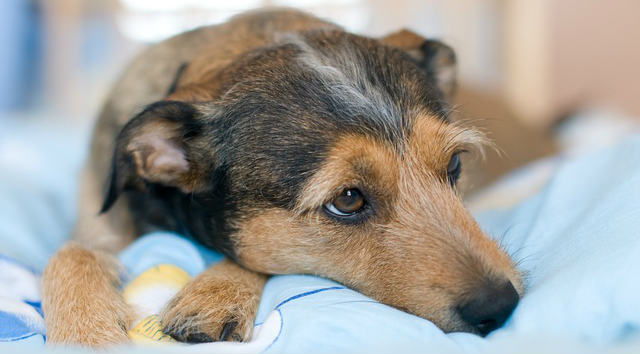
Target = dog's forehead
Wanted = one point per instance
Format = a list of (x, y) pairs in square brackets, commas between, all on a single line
[(334, 82), (290, 104), (366, 83), (427, 146)]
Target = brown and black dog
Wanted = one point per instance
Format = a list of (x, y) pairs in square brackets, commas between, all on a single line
[(291, 146)]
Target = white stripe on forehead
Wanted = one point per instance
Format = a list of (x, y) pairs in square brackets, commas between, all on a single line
[(345, 76)]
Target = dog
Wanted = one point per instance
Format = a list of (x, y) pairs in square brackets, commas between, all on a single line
[(291, 146)]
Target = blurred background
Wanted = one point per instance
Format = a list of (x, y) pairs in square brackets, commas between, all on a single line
[(537, 75)]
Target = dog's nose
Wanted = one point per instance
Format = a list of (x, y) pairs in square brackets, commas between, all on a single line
[(490, 307)]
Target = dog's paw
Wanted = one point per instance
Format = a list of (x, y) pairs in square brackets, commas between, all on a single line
[(90, 326), (210, 310), (80, 301)]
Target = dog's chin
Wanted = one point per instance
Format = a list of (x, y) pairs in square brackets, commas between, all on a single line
[(458, 326), (454, 324), (461, 327)]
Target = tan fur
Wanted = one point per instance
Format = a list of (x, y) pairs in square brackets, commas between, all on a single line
[(355, 160), (206, 51), (404, 39), (80, 296), (422, 251), (445, 61), (83, 285), (223, 294), (108, 233), (202, 76)]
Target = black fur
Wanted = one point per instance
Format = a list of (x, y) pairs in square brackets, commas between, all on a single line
[(269, 132)]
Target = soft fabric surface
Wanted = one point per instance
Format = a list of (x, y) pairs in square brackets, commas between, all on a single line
[(576, 238)]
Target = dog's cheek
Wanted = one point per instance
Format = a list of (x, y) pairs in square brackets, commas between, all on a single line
[(274, 242), (277, 241)]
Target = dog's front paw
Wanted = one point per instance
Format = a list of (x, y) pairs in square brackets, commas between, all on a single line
[(212, 309), (97, 324), (80, 300)]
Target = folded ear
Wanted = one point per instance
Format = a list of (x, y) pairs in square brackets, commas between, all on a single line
[(159, 146), (433, 56)]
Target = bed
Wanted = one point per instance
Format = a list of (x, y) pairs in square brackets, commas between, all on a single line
[(570, 222)]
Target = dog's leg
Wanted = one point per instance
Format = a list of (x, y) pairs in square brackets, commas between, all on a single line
[(80, 297), (81, 300), (218, 305)]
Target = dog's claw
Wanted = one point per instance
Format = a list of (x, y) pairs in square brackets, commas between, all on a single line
[(214, 307), (227, 330), (199, 338), (226, 334)]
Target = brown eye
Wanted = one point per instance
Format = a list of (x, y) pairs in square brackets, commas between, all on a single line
[(348, 203)]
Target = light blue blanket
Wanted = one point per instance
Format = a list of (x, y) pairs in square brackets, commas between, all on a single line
[(577, 239)]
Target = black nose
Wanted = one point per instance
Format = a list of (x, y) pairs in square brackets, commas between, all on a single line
[(490, 307)]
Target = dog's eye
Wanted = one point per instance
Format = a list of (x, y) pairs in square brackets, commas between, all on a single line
[(348, 203), (454, 168)]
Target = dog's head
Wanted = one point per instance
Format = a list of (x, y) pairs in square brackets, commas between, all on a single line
[(329, 154)]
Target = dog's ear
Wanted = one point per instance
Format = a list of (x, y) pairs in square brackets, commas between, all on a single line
[(435, 57), (159, 146)]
